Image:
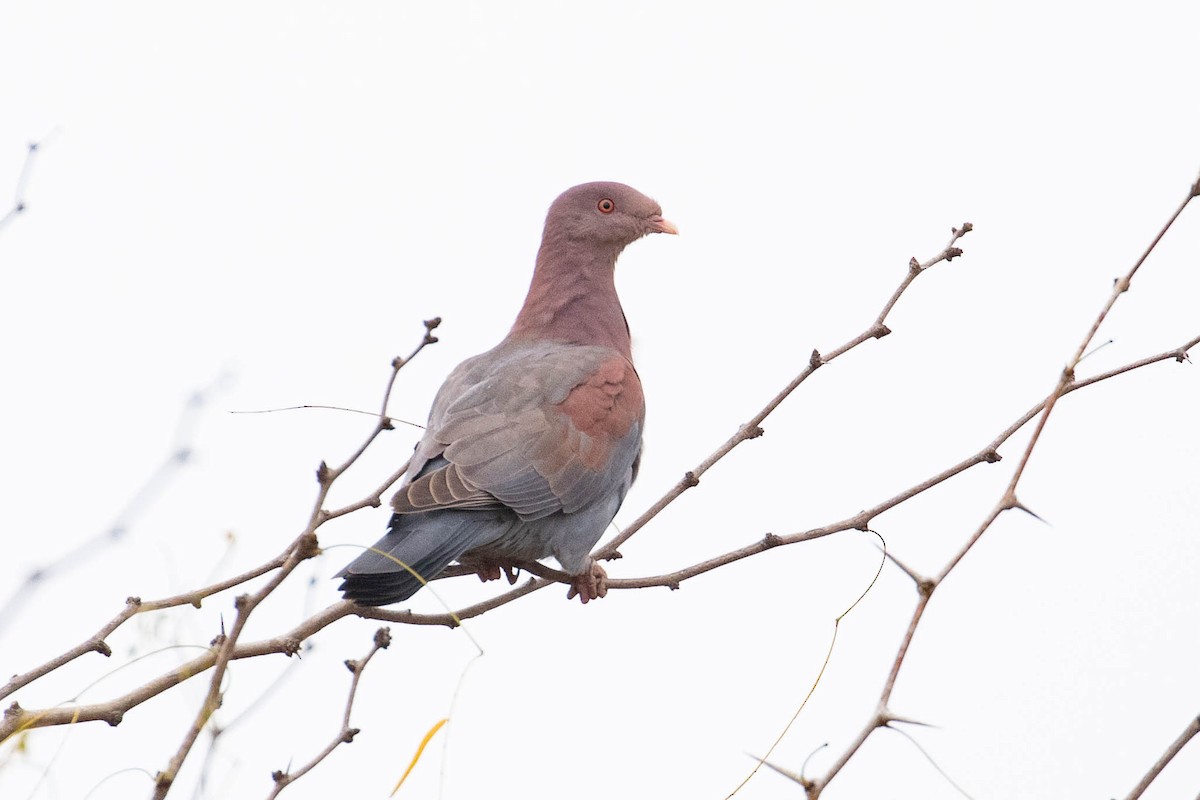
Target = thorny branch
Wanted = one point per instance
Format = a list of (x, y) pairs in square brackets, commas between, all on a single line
[(228, 648), (1008, 501), (752, 429)]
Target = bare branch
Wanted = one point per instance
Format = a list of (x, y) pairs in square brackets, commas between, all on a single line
[(20, 205), (1172, 750), (383, 638), (303, 547), (1009, 499), (753, 429)]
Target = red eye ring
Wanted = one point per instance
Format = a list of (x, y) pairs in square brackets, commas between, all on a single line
[(606, 206)]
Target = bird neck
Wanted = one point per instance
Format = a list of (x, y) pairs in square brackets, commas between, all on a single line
[(572, 298)]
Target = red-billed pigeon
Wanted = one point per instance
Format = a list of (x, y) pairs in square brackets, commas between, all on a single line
[(531, 446)]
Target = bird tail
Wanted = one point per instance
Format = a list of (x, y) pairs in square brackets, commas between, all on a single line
[(415, 550)]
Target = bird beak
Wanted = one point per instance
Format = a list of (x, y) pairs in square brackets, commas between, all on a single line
[(660, 225)]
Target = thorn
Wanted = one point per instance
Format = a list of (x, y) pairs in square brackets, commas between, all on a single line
[(1022, 507), (916, 577), (909, 721), (804, 766), (787, 773)]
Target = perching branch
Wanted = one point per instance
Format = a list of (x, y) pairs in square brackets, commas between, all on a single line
[(752, 429), (228, 647)]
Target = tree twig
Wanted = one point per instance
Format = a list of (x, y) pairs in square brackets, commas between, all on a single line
[(1008, 500), (346, 735), (1172, 750)]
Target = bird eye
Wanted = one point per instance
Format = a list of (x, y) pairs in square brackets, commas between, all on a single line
[(606, 206)]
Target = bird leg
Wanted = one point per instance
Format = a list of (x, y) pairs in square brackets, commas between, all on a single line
[(590, 584)]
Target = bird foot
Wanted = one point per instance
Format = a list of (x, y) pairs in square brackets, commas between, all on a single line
[(491, 571), (591, 584)]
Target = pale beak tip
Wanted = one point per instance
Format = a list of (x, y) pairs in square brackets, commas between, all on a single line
[(665, 226)]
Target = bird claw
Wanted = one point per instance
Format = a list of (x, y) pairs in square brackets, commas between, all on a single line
[(591, 584), (492, 571), (488, 572)]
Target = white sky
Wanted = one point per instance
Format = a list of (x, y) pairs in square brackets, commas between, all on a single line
[(272, 196)]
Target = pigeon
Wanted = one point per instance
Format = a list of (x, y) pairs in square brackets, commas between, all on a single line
[(531, 446)]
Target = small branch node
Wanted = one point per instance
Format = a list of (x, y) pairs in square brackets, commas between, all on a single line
[(101, 647), (914, 266), (291, 646), (1182, 356), (953, 253), (383, 638), (430, 324), (136, 602), (815, 359), (752, 431), (880, 331), (991, 456), (673, 586), (352, 665), (690, 480), (926, 586), (13, 711), (323, 473), (771, 540), (308, 547), (349, 735)]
